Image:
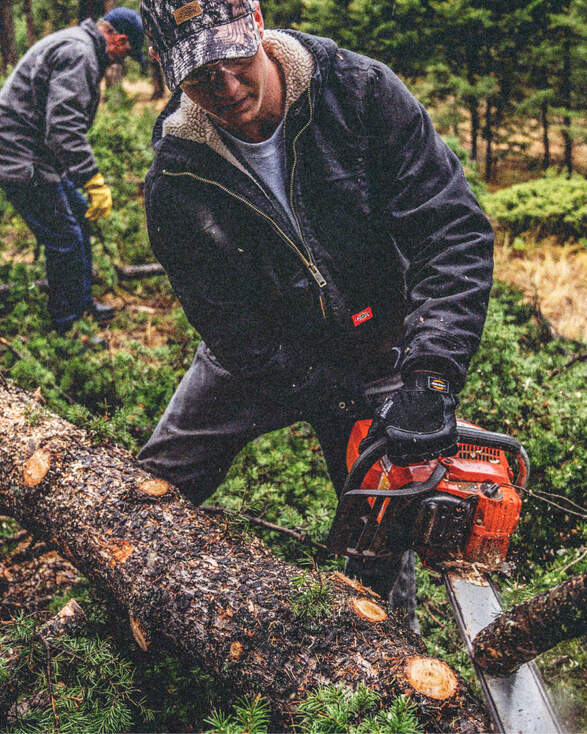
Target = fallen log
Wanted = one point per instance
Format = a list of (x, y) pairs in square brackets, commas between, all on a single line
[(41, 285), (146, 270), (17, 673), (528, 629), (192, 581)]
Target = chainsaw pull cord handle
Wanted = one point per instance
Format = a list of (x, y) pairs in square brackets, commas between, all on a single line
[(466, 434)]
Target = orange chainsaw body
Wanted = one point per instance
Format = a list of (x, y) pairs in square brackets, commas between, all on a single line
[(474, 471)]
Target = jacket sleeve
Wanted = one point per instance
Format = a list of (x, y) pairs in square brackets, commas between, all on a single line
[(67, 119), (433, 218)]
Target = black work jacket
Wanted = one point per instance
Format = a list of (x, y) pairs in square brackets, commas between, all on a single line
[(392, 247), (47, 105)]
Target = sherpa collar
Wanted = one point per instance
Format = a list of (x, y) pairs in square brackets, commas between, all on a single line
[(191, 122)]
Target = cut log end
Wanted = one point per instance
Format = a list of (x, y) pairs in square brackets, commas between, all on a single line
[(368, 610), (119, 552), (139, 634), (354, 584), (36, 468), (431, 677), (155, 487)]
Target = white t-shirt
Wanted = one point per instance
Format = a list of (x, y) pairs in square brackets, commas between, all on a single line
[(268, 161)]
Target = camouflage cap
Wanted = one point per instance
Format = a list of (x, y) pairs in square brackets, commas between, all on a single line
[(188, 35)]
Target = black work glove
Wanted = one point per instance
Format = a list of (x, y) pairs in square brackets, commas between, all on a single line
[(418, 420)]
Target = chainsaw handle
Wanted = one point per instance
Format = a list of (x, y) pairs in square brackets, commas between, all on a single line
[(466, 434)]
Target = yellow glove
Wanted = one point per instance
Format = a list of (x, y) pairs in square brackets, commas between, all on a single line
[(100, 198)]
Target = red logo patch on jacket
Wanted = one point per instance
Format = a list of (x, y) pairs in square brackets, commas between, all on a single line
[(363, 315)]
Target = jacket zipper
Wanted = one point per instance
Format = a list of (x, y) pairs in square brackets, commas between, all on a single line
[(313, 267), (307, 261)]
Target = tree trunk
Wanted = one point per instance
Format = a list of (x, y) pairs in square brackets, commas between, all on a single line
[(93, 9), (147, 270), (566, 100), (7, 42), (528, 629), (488, 135), (30, 23), (545, 138), (113, 75), (157, 79), (222, 601), (475, 122)]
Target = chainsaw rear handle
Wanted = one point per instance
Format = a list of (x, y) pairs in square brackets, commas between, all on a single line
[(491, 440), (466, 434)]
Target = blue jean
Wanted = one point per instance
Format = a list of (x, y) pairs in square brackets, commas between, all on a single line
[(55, 214)]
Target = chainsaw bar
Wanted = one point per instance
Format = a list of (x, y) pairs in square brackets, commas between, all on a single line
[(517, 702)]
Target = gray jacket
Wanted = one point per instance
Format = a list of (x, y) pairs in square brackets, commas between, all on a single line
[(48, 104)]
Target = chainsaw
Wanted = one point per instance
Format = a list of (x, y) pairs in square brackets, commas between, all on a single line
[(458, 513)]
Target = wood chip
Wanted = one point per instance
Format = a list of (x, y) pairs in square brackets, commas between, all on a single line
[(36, 468), (367, 609), (155, 487), (354, 584), (431, 677), (119, 552), (139, 634)]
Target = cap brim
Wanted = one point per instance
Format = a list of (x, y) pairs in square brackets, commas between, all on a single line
[(238, 39)]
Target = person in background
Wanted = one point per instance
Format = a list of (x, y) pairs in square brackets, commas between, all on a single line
[(47, 105), (323, 241)]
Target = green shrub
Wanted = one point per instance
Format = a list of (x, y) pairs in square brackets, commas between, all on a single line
[(511, 389), (554, 205)]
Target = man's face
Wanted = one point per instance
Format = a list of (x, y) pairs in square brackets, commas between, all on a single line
[(117, 46), (242, 94)]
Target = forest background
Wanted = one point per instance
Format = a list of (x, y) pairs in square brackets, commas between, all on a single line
[(503, 83)]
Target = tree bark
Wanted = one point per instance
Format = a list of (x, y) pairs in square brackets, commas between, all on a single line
[(30, 23), (93, 9), (488, 135), (475, 122), (146, 270), (222, 601), (8, 56), (528, 629), (157, 79), (545, 137), (113, 75), (566, 100)]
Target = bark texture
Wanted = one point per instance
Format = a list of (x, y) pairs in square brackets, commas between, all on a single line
[(222, 601), (8, 56), (520, 634)]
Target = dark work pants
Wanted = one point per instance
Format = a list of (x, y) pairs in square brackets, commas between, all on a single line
[(213, 415), (55, 214)]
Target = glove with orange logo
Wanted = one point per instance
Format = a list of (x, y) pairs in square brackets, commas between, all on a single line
[(418, 420)]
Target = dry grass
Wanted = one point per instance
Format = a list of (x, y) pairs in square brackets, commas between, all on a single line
[(555, 276)]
